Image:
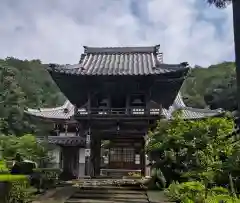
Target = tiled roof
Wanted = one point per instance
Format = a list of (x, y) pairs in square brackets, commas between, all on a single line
[(65, 140), (64, 112), (120, 61), (187, 112), (193, 113)]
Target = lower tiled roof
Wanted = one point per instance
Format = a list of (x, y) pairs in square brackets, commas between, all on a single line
[(65, 140), (66, 111), (193, 113), (189, 112)]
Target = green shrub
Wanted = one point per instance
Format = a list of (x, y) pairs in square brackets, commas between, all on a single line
[(185, 192), (222, 198), (3, 167), (218, 191), (48, 177), (11, 178), (16, 188), (194, 192)]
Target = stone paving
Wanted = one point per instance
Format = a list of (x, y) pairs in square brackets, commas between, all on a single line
[(108, 191), (100, 191)]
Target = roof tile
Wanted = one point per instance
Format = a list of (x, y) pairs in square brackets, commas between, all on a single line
[(120, 61)]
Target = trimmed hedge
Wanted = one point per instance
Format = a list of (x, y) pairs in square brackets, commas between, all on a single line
[(14, 189)]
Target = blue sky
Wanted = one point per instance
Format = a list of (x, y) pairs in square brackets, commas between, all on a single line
[(55, 31)]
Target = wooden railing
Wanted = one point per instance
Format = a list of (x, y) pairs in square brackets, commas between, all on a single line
[(118, 111)]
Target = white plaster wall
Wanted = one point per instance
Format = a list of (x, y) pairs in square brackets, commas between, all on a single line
[(55, 154), (82, 155), (147, 168), (81, 161)]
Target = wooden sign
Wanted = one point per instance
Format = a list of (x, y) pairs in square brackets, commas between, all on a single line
[(87, 152), (88, 139)]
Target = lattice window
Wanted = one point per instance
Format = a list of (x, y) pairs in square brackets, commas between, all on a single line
[(128, 154), (116, 155), (122, 155)]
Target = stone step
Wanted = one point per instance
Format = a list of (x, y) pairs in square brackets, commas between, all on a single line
[(93, 192), (113, 191), (108, 195), (126, 200), (132, 188)]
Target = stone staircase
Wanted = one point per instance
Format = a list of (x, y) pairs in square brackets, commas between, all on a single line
[(108, 193)]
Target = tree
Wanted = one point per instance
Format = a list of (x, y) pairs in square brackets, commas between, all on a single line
[(205, 87), (236, 29), (24, 84), (12, 101), (191, 145), (26, 146)]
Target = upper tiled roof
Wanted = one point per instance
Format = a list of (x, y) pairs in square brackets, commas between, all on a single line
[(120, 61), (187, 112)]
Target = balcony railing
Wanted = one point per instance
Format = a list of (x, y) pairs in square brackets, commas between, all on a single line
[(118, 112)]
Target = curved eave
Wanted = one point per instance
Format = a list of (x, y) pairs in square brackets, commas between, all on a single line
[(79, 70), (64, 140), (193, 113), (189, 113), (62, 113)]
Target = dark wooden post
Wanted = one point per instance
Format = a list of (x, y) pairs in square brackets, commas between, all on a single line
[(128, 104), (148, 100), (88, 153), (97, 155)]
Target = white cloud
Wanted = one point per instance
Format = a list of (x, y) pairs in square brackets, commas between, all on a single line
[(56, 30)]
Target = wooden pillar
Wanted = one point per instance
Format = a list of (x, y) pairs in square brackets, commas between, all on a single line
[(66, 129), (147, 169), (97, 155), (88, 156), (148, 100), (143, 164), (128, 111)]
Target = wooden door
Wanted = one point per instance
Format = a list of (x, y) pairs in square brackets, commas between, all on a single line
[(122, 158)]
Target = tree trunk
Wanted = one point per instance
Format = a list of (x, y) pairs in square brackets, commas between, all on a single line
[(236, 30)]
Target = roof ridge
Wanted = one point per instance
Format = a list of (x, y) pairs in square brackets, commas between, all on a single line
[(123, 49)]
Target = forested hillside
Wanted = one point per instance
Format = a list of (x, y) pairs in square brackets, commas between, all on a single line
[(24, 84), (27, 84), (213, 87)]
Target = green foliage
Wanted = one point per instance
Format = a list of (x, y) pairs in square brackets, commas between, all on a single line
[(184, 192), (27, 146), (17, 188), (3, 167), (191, 145), (200, 151), (205, 87), (24, 84), (194, 192), (48, 177)]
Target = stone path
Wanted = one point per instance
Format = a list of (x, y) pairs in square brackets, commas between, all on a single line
[(101, 191), (109, 194)]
